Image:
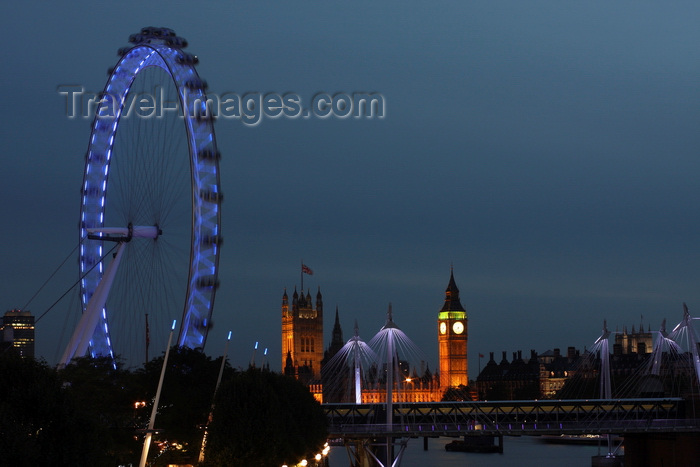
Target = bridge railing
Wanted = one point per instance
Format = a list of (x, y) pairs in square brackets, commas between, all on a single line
[(535, 417)]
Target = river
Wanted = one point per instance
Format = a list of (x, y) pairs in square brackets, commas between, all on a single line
[(523, 451)]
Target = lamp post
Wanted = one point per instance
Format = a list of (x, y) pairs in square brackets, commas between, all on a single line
[(151, 423), (216, 388), (326, 450)]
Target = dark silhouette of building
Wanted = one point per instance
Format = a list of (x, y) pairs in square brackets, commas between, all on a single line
[(337, 341), (506, 380), (556, 369), (335, 386), (576, 375), (18, 331)]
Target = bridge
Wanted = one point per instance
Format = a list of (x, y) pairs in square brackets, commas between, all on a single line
[(663, 431), (641, 410), (543, 417)]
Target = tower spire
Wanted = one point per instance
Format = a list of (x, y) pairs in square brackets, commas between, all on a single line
[(337, 339), (452, 302)]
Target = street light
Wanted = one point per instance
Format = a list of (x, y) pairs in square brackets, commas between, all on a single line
[(326, 450), (410, 380)]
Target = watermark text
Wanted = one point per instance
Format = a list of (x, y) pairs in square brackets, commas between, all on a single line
[(250, 108)]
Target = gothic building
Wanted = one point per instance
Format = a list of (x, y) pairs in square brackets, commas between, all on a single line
[(633, 342), (303, 356), (540, 376), (302, 336), (452, 339), (335, 382)]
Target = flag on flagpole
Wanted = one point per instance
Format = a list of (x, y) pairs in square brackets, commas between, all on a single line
[(306, 270), (481, 355)]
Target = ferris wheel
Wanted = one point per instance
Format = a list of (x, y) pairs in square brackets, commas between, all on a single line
[(151, 185)]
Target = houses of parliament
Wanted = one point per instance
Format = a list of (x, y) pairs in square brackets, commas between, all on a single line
[(304, 357)]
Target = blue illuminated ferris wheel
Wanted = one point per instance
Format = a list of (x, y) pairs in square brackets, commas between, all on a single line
[(152, 161)]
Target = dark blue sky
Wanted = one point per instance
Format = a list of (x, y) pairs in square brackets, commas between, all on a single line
[(548, 150)]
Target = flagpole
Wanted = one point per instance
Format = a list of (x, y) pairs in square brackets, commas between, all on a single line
[(148, 338), (304, 270)]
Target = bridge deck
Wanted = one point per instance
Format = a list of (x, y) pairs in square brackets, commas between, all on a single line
[(544, 417)]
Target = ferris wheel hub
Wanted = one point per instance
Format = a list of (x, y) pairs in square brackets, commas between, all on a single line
[(124, 234)]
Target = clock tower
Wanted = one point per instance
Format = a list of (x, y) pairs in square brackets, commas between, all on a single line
[(452, 339)]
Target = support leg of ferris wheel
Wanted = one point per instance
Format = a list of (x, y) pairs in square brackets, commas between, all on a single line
[(80, 340)]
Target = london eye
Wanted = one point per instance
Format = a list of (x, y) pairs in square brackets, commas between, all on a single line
[(151, 183)]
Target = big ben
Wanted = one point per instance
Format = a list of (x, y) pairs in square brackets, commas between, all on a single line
[(452, 339)]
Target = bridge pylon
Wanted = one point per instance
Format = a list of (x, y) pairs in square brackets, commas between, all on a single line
[(373, 452)]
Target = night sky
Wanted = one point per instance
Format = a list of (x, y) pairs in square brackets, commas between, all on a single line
[(547, 150)]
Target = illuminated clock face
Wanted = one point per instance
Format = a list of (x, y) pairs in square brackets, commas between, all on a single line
[(443, 328), (458, 327)]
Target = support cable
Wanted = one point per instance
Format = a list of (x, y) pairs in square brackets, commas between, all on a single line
[(76, 283), (26, 305)]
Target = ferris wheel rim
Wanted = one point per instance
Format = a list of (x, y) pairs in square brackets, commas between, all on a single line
[(151, 50)]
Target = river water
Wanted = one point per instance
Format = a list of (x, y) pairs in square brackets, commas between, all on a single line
[(522, 451)]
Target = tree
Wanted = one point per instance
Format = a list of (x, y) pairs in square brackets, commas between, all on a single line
[(106, 396), (459, 393), (185, 401), (41, 424), (264, 419)]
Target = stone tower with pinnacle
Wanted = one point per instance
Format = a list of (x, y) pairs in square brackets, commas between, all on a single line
[(453, 335)]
